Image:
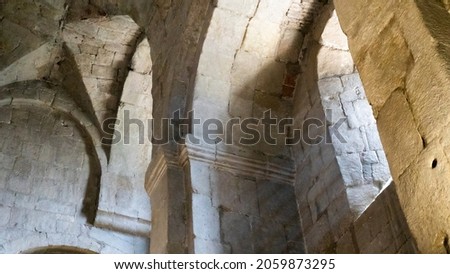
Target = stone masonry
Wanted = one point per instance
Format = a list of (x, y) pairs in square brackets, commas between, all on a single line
[(365, 83)]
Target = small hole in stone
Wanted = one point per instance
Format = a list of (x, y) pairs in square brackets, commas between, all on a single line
[(434, 164), (446, 244)]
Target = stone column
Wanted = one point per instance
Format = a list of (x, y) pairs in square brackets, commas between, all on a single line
[(167, 186)]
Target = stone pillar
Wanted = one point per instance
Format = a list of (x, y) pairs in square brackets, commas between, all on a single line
[(167, 186), (243, 201)]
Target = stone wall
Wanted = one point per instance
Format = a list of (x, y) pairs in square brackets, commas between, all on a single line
[(233, 213), (50, 178), (123, 200), (406, 82), (98, 51), (226, 59), (340, 176)]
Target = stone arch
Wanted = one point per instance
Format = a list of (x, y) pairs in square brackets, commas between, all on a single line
[(55, 213), (331, 83), (41, 95), (174, 54), (58, 250), (343, 181), (244, 193), (406, 83)]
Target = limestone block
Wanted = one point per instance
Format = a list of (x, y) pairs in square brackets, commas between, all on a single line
[(215, 90), (334, 111), (361, 196), (34, 65), (84, 27), (332, 35), (7, 198), (243, 7), (206, 222), (351, 169), (236, 231), (369, 157), (19, 183), (349, 96), (103, 72), (219, 69), (330, 87), (381, 172), (119, 48), (222, 36), (104, 57), (427, 98), (391, 50), (245, 68), (332, 62), (349, 141), (141, 61), (272, 10), (46, 96), (4, 173), (364, 114), (85, 63), (88, 49), (201, 178), (262, 37), (352, 82), (425, 179), (135, 85), (55, 207), (225, 191), (402, 141)]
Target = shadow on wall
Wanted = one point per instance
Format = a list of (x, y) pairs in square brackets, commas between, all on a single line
[(35, 93), (72, 82)]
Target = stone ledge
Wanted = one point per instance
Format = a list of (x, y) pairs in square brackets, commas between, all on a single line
[(122, 223), (242, 162)]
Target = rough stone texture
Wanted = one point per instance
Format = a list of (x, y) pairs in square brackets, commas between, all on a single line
[(51, 186), (339, 179), (123, 193), (102, 49), (230, 59), (256, 62), (405, 82), (242, 215)]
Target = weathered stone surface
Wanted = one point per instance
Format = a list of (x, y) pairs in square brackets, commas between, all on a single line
[(430, 166), (206, 220), (237, 229), (332, 62), (246, 7), (401, 139)]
